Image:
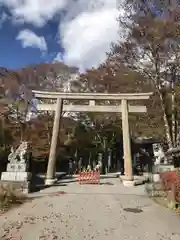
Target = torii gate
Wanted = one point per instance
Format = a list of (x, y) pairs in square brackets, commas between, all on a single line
[(123, 108)]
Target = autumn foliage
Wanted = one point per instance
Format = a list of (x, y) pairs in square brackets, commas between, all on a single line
[(139, 64)]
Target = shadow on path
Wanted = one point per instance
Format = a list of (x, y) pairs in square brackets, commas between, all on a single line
[(66, 179), (38, 182), (57, 193), (62, 180)]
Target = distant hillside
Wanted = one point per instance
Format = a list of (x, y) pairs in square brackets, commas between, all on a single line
[(55, 76), (45, 76)]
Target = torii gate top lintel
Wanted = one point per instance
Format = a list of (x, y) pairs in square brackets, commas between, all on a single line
[(92, 96)]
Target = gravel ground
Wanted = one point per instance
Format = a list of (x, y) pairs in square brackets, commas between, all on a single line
[(90, 212)]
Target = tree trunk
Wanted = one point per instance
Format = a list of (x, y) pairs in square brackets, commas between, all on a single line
[(105, 168), (158, 84), (173, 115), (166, 122), (49, 134), (2, 131), (49, 129), (89, 161), (177, 133)]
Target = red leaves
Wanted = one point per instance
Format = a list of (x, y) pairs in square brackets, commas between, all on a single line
[(171, 182), (168, 178), (60, 193)]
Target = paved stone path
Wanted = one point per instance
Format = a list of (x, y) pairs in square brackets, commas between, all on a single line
[(90, 212)]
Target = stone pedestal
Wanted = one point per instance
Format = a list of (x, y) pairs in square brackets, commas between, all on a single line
[(162, 168), (17, 173), (18, 176), (156, 177), (156, 170), (137, 180)]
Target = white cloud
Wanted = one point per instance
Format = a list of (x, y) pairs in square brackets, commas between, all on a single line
[(3, 18), (59, 57), (30, 39), (85, 32), (37, 12)]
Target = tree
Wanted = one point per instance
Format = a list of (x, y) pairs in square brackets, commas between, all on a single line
[(19, 103), (5, 133), (153, 8), (152, 49)]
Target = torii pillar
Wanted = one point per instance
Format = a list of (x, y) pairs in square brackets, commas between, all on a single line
[(128, 178), (50, 176)]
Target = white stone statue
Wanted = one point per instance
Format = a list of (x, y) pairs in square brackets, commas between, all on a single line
[(158, 154), (22, 156), (19, 155), (11, 155), (12, 149)]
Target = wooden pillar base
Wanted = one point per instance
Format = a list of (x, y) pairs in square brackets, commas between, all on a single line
[(127, 178), (50, 182), (129, 183)]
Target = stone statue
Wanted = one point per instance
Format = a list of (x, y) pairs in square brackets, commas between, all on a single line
[(12, 149), (17, 170), (19, 156), (11, 156), (23, 156)]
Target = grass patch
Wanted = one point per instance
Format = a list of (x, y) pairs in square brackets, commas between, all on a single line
[(10, 197), (162, 197)]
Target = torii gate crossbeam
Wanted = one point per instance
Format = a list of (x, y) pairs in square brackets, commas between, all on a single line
[(124, 108)]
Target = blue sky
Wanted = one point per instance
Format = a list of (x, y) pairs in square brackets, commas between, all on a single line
[(12, 53), (77, 32)]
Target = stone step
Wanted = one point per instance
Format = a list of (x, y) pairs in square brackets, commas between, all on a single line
[(15, 176)]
